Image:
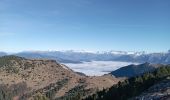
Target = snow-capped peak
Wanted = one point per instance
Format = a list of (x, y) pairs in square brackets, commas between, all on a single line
[(78, 51), (127, 53)]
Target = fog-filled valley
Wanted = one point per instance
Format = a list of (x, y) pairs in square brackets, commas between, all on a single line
[(97, 68)]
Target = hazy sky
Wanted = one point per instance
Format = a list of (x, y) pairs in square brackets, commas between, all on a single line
[(128, 25)]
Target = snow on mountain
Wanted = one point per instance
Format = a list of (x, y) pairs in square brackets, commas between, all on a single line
[(127, 53), (118, 52), (92, 52), (78, 51), (106, 52), (78, 56)]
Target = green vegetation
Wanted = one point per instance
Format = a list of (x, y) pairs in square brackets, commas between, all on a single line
[(6, 60), (49, 92), (77, 93), (46, 93), (39, 96), (53, 88), (8, 92), (5, 94), (132, 87), (12, 64), (8, 63), (28, 65)]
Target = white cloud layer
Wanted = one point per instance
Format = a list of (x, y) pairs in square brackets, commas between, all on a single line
[(97, 68)]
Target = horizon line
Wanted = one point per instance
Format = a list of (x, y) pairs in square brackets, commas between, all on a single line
[(82, 50)]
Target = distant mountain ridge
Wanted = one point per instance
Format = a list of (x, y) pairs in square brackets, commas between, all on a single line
[(45, 55), (81, 56), (3, 53), (135, 70)]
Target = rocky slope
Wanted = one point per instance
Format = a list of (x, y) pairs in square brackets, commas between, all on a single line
[(160, 91), (31, 79)]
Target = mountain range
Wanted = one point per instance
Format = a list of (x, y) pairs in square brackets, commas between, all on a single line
[(82, 56), (42, 79)]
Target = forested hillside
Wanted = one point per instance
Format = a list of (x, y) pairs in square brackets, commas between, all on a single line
[(133, 86)]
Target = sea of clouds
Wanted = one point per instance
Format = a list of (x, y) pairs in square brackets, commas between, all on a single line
[(97, 68)]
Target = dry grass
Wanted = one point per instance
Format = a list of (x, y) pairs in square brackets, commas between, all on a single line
[(41, 73)]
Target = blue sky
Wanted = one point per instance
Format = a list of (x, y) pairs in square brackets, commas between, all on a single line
[(94, 25)]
